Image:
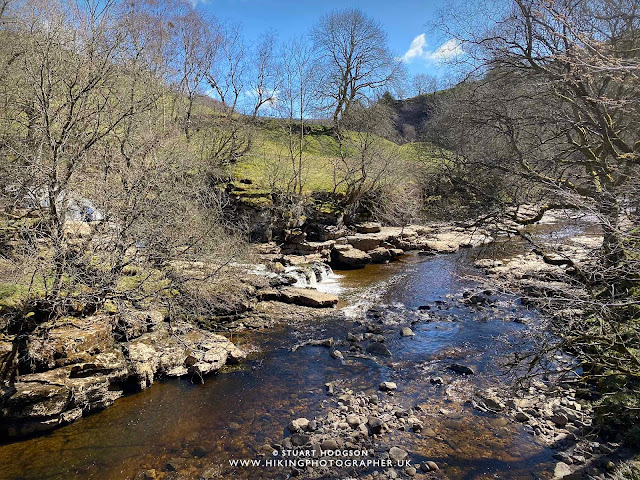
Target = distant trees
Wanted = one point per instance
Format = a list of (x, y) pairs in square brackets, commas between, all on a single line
[(195, 49), (355, 59), (227, 67), (423, 83)]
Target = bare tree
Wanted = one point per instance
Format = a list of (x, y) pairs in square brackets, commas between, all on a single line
[(196, 47), (226, 70), (69, 66), (94, 181), (265, 76), (423, 83), (583, 67), (295, 104), (366, 160), (355, 58)]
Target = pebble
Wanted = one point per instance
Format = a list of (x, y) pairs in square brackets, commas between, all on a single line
[(199, 452), (433, 466), (388, 386), (375, 424), (559, 419), (378, 349), (407, 332), (337, 354), (330, 444), (353, 420), (561, 470), (299, 439), (397, 454), (298, 424)]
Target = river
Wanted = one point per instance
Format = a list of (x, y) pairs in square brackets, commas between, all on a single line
[(197, 428)]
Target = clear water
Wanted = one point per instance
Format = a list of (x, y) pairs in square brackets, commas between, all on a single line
[(235, 412)]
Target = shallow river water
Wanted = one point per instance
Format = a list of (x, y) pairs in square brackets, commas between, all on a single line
[(199, 427)]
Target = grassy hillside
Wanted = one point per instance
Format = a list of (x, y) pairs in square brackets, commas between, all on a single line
[(269, 157)]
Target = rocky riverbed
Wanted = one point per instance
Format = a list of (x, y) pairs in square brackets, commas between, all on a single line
[(401, 360)]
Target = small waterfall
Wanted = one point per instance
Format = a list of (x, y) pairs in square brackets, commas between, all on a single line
[(317, 275), (322, 271), (328, 281), (302, 277)]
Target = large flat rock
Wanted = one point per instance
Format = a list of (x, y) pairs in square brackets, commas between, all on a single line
[(301, 296)]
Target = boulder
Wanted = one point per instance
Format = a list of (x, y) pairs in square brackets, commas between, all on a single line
[(183, 350), (306, 297), (388, 386), (368, 227), (461, 369), (352, 257), (381, 255), (46, 400), (440, 246), (378, 348), (365, 242)]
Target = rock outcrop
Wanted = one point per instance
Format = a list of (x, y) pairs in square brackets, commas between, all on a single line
[(80, 365)]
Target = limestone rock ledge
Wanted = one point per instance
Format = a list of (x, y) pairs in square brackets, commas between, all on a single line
[(81, 365)]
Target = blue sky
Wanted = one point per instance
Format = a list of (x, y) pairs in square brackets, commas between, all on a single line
[(407, 23)]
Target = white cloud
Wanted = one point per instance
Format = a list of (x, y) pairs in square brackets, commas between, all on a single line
[(449, 49), (418, 49)]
